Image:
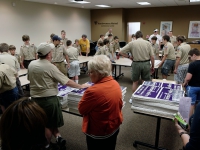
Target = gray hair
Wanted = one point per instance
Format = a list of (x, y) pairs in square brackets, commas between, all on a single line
[(100, 64), (4, 47)]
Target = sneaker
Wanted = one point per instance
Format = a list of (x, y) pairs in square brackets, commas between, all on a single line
[(61, 142), (130, 101), (52, 146)]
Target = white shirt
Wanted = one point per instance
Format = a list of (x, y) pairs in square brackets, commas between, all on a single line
[(159, 38)]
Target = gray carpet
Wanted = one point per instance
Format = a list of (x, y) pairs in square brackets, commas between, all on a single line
[(134, 126)]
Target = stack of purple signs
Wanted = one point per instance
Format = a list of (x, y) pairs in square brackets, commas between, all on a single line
[(75, 96), (63, 91), (157, 98)]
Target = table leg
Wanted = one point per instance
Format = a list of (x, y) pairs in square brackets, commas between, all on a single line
[(156, 73), (156, 140), (115, 67)]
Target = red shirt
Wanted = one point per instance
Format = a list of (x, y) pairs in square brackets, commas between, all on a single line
[(101, 107)]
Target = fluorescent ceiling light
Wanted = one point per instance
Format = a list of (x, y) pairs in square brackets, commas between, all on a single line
[(144, 3), (102, 5), (194, 1), (81, 2)]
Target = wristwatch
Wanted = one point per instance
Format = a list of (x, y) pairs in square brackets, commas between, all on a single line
[(182, 133)]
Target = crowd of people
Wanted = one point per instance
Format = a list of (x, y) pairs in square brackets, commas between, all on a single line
[(56, 61)]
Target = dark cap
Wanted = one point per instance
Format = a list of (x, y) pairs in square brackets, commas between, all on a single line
[(56, 38)]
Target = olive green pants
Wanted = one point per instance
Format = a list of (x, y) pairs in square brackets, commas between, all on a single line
[(62, 67)]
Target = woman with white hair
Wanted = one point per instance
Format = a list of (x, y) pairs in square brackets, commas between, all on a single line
[(101, 106)]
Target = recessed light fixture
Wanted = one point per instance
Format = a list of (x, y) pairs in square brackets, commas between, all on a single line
[(102, 5), (144, 3), (191, 1), (81, 2)]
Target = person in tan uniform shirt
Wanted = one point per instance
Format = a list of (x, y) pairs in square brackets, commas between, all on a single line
[(142, 53), (155, 47), (172, 39), (8, 59), (12, 50), (109, 37), (109, 32), (103, 48), (182, 61), (51, 38), (74, 69), (114, 46), (168, 60), (8, 88), (28, 52), (59, 54), (76, 45), (101, 38), (63, 38), (44, 78), (12, 61)]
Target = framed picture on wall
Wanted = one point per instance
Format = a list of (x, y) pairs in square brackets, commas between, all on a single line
[(194, 29), (165, 27)]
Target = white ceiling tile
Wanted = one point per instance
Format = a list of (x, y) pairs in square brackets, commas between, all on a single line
[(117, 3)]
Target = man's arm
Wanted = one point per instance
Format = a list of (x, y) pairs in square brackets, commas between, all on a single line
[(76, 85), (152, 62), (187, 79), (88, 47), (163, 60), (36, 56), (17, 65), (178, 59), (87, 51), (185, 137), (166, 51), (22, 58), (124, 51), (67, 60)]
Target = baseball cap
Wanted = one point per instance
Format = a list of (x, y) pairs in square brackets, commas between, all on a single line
[(55, 38), (44, 48), (155, 30)]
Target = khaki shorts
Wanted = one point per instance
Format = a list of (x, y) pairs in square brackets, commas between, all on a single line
[(62, 67), (141, 69), (74, 69)]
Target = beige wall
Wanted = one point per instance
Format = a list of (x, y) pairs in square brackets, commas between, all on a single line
[(39, 21), (150, 19), (108, 16)]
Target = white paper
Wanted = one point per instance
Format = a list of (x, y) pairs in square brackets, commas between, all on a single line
[(184, 107)]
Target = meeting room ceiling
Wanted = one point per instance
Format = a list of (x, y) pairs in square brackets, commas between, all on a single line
[(117, 3)]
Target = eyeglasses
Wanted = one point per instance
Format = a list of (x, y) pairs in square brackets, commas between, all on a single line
[(89, 72)]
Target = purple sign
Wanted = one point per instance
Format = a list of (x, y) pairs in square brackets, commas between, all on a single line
[(165, 94), (159, 93), (172, 86), (148, 91), (81, 91)]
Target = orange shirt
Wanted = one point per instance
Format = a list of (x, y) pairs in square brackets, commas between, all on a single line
[(101, 107)]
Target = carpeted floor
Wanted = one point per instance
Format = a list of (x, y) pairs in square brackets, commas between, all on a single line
[(134, 126)]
